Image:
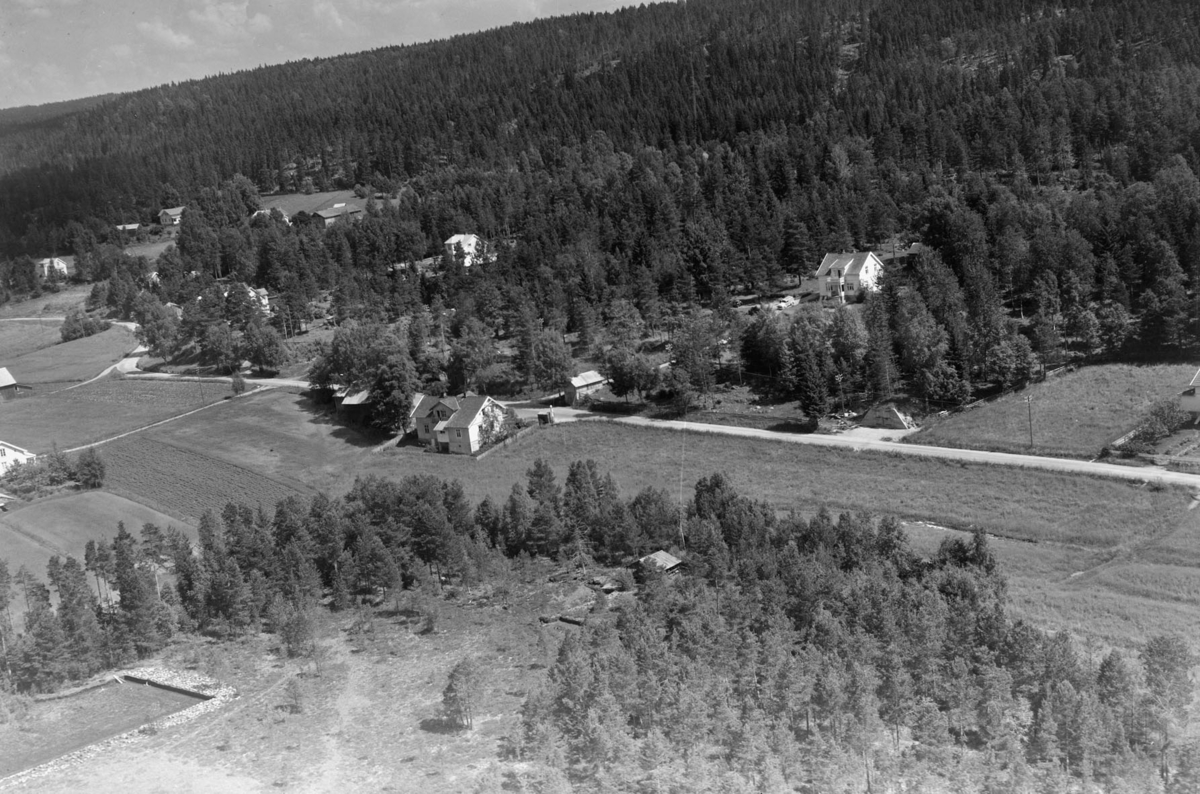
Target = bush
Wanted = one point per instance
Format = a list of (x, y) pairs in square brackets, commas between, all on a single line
[(1164, 418), (89, 469), (79, 324)]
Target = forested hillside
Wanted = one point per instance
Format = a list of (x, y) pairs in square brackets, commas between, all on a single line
[(663, 158)]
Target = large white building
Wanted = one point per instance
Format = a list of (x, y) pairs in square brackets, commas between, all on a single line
[(843, 277)]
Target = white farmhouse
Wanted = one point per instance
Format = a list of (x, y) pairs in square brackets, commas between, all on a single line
[(843, 277), (57, 265), (12, 456), (474, 249)]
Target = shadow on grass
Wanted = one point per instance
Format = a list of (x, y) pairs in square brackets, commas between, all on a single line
[(439, 725), (793, 426), (324, 414)]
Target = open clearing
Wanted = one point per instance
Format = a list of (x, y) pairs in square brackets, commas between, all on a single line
[(72, 362), (1074, 415), (370, 714), (32, 533), (57, 727), (99, 410), (19, 337), (48, 303)]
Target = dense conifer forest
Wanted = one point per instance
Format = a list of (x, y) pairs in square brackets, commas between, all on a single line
[(667, 157)]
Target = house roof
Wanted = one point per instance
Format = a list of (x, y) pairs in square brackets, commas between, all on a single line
[(661, 559), (418, 398), (16, 448), (461, 238), (6, 378), (172, 211), (850, 264), (1195, 379), (428, 403), (468, 411), (337, 212), (358, 398), (587, 378)]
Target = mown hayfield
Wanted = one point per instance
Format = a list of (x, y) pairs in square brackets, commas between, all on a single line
[(30, 534), (187, 482), (98, 410), (1074, 415), (72, 362), (19, 337)]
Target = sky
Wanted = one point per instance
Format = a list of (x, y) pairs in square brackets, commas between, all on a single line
[(51, 50)]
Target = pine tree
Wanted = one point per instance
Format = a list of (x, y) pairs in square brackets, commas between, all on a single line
[(461, 697)]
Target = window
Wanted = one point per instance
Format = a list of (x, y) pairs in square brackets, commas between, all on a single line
[(458, 434)]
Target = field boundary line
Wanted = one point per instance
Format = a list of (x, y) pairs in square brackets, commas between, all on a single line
[(151, 425)]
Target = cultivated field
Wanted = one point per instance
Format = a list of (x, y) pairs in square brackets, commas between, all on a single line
[(57, 727), (185, 481), (1074, 415), (72, 362), (99, 410), (19, 337), (32, 533)]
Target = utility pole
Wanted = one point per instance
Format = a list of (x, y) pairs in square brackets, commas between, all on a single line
[(682, 448), (1029, 406)]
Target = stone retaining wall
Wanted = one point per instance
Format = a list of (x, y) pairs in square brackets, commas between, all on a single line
[(213, 696)]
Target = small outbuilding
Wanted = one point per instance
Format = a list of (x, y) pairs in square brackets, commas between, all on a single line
[(10, 389), (583, 384), (661, 561), (1188, 401), (887, 416)]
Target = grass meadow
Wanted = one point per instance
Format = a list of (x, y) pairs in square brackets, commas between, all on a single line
[(98, 410), (72, 362), (19, 337), (49, 304), (1074, 415)]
